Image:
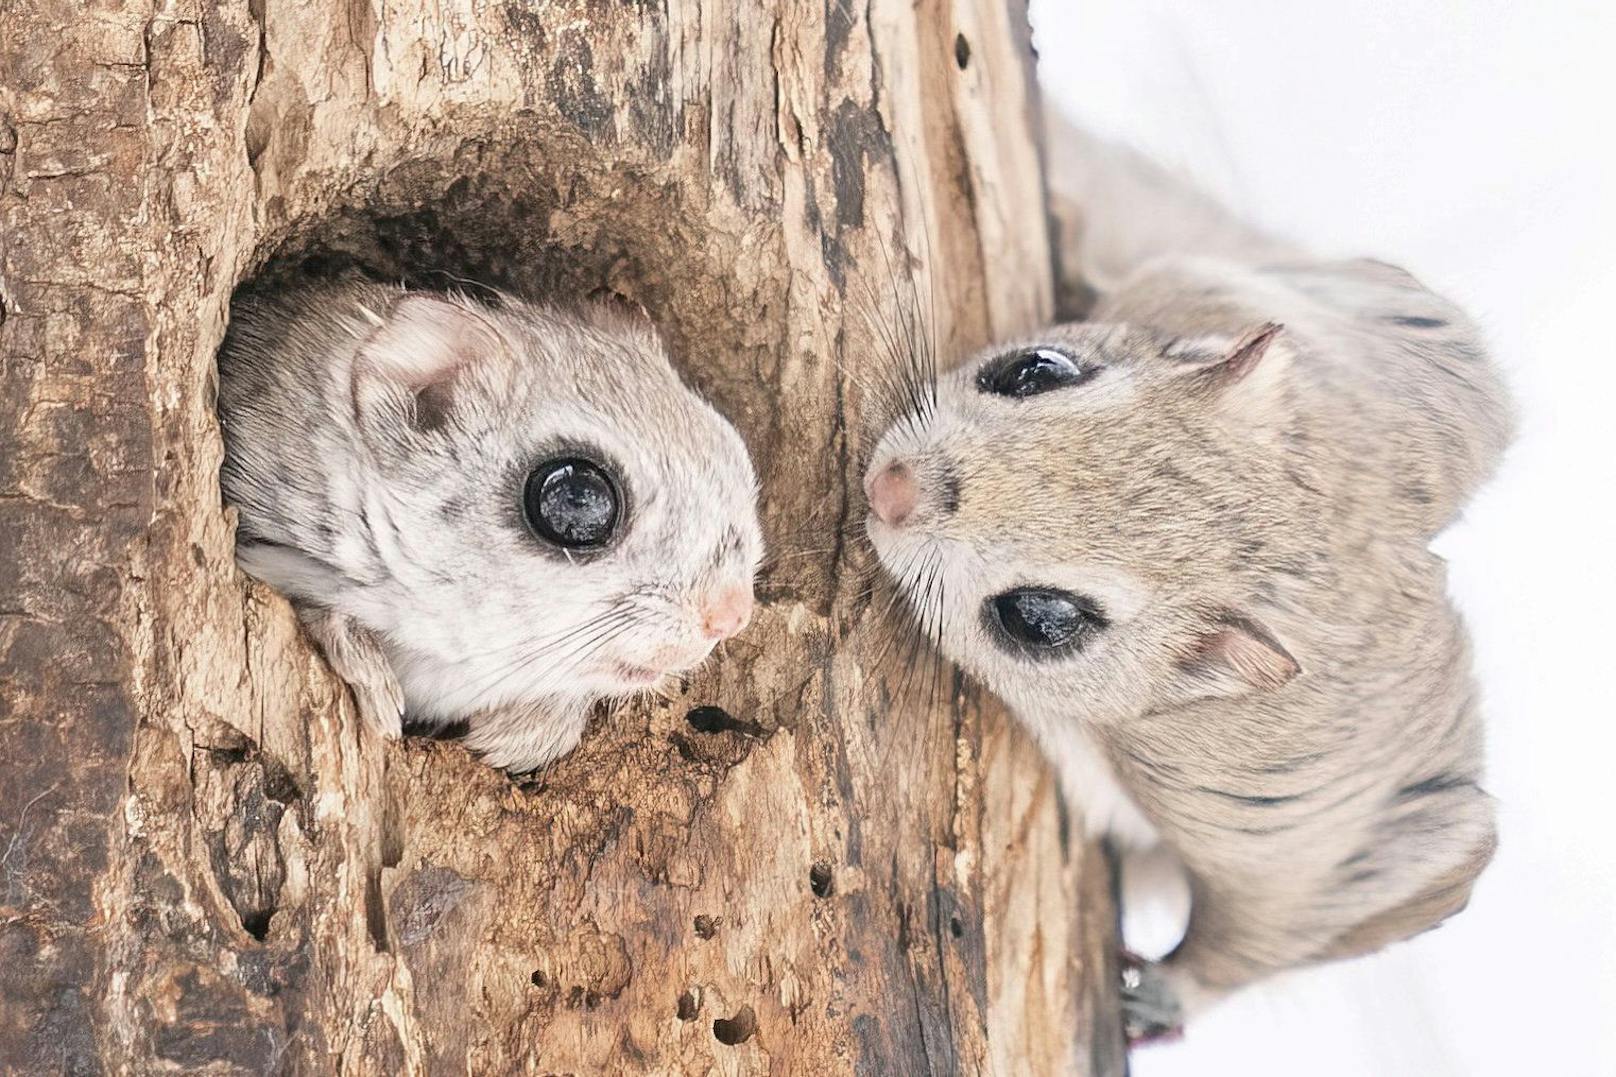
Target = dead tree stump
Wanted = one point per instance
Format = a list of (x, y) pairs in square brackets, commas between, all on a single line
[(203, 866)]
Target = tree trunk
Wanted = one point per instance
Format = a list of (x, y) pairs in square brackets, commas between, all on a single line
[(203, 864)]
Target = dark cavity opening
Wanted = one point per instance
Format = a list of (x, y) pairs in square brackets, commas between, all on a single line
[(392, 837), (688, 1007), (710, 719), (257, 923), (375, 912), (737, 1029), (478, 220), (962, 51), (821, 880)]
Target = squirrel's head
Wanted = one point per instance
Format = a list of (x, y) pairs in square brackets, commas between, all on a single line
[(1089, 515)]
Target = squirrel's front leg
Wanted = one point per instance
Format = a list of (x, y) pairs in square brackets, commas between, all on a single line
[(520, 737), (355, 654)]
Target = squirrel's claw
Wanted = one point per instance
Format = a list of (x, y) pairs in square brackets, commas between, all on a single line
[(1151, 1012)]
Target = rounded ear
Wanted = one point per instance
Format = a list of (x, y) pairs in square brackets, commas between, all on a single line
[(417, 360), (1243, 373), (614, 313), (1243, 356), (611, 300), (1233, 655)]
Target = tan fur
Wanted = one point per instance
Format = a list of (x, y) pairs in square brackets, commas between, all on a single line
[(1444, 898), (1282, 686)]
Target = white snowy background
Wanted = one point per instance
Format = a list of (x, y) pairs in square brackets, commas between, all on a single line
[(1474, 142)]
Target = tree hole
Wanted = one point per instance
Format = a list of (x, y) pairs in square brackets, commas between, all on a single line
[(689, 1005), (706, 926), (710, 719), (392, 834), (962, 51), (375, 912), (821, 880), (736, 1030), (478, 219), (257, 923)]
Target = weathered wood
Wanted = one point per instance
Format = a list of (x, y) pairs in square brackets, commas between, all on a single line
[(202, 864)]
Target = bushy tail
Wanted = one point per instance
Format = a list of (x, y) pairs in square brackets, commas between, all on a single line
[(1116, 210)]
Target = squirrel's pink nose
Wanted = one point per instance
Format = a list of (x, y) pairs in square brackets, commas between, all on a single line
[(727, 612), (893, 493)]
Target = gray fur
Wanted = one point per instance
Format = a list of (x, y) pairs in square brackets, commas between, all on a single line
[(1284, 694), (391, 513)]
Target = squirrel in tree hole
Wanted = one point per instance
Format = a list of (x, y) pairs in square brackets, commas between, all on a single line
[(1186, 542), (491, 513)]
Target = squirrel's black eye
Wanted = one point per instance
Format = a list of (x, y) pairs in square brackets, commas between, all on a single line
[(571, 502), (1028, 373), (1043, 618)]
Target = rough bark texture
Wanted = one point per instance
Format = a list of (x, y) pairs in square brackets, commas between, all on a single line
[(203, 866)]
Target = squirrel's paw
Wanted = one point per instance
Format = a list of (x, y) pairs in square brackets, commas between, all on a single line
[(356, 656), (1151, 1011)]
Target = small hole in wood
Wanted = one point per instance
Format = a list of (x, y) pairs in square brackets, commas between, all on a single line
[(962, 51), (955, 927), (820, 880), (537, 979), (257, 924), (737, 1029), (689, 1006), (706, 926), (375, 912), (710, 719), (392, 834)]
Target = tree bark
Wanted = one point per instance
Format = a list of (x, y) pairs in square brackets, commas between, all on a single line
[(203, 864)]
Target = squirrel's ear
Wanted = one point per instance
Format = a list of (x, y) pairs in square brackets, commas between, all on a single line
[(615, 302), (613, 312), (1247, 352), (418, 353), (1233, 655), (1243, 371)]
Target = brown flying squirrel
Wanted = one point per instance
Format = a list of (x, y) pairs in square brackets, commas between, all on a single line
[(1186, 542)]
